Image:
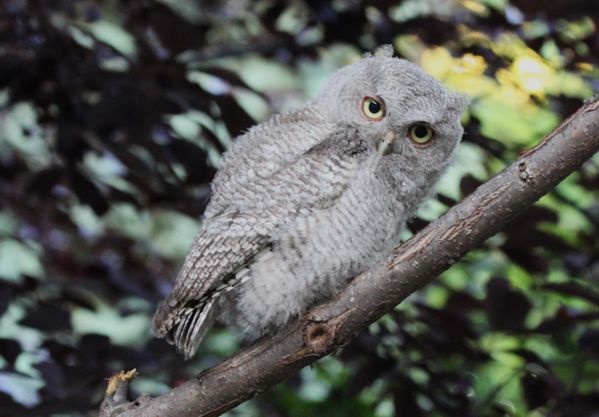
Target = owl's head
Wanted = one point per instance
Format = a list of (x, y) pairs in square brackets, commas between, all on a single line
[(412, 118)]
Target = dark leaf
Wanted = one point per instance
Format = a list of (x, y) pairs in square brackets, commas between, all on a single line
[(530, 357), (417, 224), (404, 399), (523, 236), (70, 143), (194, 159), (6, 296), (564, 319), (468, 184), (370, 372), (42, 182), (506, 308), (540, 386), (9, 350), (48, 318), (573, 289), (88, 192), (175, 34), (236, 119), (589, 341), (462, 302)]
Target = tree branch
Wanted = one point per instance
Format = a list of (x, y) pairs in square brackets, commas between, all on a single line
[(377, 291)]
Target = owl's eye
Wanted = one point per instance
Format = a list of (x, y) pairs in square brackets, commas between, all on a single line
[(373, 108), (420, 133)]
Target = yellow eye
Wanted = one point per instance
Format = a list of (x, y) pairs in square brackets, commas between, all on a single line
[(420, 133), (373, 108)]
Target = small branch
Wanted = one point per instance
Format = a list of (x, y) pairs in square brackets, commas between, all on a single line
[(115, 401), (378, 290)]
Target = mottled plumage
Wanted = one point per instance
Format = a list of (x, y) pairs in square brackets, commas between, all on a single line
[(306, 200)]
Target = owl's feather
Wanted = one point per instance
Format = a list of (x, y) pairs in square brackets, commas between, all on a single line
[(192, 327), (225, 244), (261, 152)]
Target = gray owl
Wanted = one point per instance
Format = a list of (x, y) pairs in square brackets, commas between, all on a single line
[(307, 200)]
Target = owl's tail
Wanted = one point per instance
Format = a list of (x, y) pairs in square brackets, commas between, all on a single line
[(187, 332)]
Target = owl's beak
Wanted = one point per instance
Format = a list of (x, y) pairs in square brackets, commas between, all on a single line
[(386, 144)]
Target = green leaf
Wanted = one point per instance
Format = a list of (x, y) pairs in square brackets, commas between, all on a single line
[(172, 233), (10, 327), (113, 35), (18, 259), (526, 124), (130, 330), (8, 223), (127, 220), (22, 389), (252, 103), (21, 133)]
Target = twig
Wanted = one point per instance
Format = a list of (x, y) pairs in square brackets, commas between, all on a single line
[(115, 401)]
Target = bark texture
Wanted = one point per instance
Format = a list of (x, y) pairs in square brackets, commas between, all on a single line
[(370, 295)]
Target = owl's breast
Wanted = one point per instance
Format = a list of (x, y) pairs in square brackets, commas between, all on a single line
[(333, 244)]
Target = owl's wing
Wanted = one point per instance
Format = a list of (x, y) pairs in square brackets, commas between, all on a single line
[(209, 270), (261, 152), (231, 240)]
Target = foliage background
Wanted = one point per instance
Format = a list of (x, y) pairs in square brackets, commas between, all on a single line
[(113, 117)]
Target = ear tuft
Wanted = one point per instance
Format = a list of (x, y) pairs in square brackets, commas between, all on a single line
[(384, 51)]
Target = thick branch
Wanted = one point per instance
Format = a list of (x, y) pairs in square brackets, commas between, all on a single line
[(377, 291)]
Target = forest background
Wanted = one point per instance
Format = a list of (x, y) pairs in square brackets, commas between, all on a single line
[(114, 116)]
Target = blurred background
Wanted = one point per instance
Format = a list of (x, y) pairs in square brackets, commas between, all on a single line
[(113, 119)]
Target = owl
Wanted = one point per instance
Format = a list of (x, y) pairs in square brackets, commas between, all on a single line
[(305, 201)]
